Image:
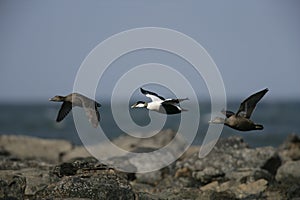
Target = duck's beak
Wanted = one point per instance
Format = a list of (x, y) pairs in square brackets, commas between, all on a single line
[(133, 106), (53, 99), (217, 120)]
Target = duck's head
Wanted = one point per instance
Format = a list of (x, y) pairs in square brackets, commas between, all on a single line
[(217, 120), (57, 98), (139, 104)]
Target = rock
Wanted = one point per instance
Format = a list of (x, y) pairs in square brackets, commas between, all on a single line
[(190, 152), (139, 162), (241, 191), (93, 185), (235, 142), (74, 166), (231, 170), (210, 186), (230, 155), (289, 172), (226, 186), (245, 175), (293, 192), (213, 195), (86, 178), (34, 180), (272, 164), (34, 148), (157, 141), (13, 163), (34, 173), (183, 172), (208, 174), (75, 152), (151, 178), (79, 178), (12, 186), (3, 152), (100, 185), (273, 195), (134, 158), (250, 189), (290, 149), (180, 193)]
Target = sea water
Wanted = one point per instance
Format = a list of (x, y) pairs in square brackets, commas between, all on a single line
[(279, 119)]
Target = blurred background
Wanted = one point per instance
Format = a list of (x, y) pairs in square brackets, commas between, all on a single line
[(255, 45)]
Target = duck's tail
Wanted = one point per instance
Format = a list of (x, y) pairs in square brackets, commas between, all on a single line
[(259, 127), (184, 99), (184, 110)]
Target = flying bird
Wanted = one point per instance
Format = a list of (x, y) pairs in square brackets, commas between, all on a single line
[(241, 120), (75, 99), (159, 103)]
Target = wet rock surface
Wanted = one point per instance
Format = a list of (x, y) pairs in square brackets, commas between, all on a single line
[(232, 170)]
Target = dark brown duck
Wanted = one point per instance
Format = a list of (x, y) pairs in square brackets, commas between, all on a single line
[(241, 120), (75, 99)]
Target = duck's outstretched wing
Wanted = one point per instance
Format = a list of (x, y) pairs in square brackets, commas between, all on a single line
[(153, 96), (171, 109), (91, 110), (93, 115), (227, 113), (248, 105), (174, 101), (65, 108)]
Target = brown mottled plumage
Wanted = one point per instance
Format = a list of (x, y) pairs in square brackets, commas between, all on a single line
[(241, 120), (75, 99)]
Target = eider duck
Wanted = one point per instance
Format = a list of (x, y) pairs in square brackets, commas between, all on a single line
[(75, 99), (159, 104), (241, 120)]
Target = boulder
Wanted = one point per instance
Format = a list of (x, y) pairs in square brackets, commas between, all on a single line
[(232, 170), (86, 178), (289, 173), (228, 156), (26, 147), (240, 191), (12, 186), (290, 149)]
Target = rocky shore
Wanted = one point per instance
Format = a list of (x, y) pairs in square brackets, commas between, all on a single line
[(34, 168)]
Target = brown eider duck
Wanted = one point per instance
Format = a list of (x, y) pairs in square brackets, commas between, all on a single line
[(241, 120), (75, 99)]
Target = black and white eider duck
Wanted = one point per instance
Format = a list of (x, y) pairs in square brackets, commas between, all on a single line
[(75, 99), (241, 120), (159, 104)]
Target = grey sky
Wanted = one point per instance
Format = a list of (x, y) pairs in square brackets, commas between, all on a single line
[(255, 44)]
